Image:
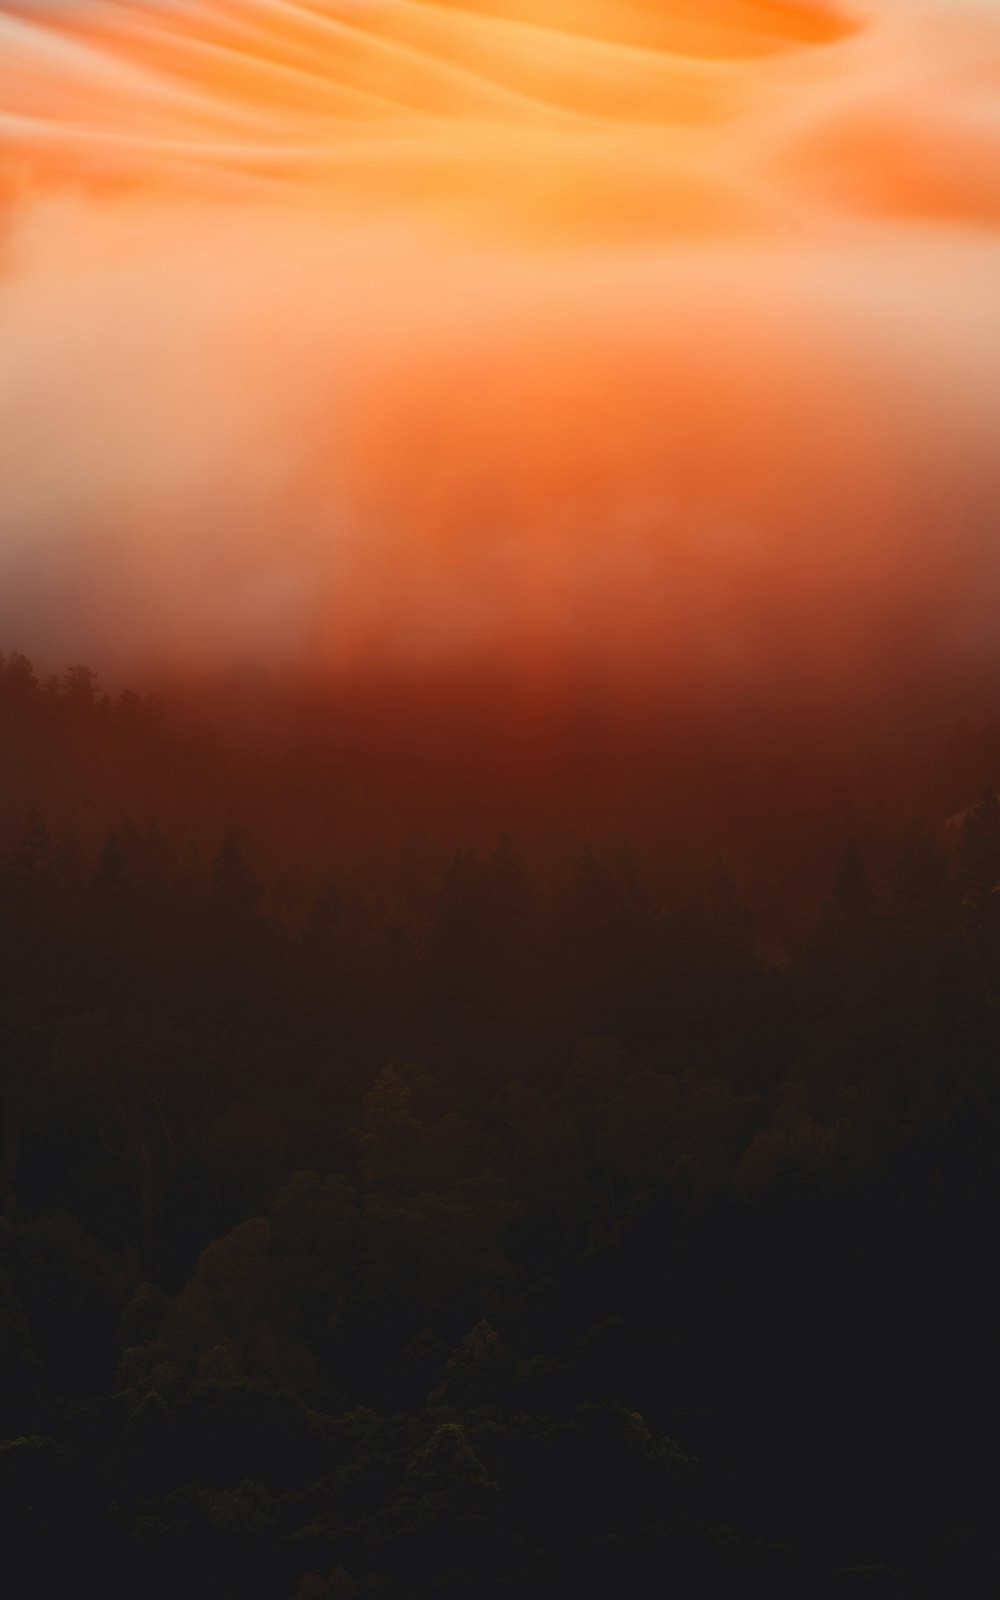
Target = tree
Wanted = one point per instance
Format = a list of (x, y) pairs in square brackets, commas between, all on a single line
[(24, 1059), (236, 891), (979, 851), (918, 889), (153, 1085), (79, 688)]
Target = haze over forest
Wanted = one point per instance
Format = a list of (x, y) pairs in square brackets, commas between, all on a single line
[(499, 833), (626, 350)]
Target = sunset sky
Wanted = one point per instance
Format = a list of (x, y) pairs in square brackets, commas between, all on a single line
[(632, 345)]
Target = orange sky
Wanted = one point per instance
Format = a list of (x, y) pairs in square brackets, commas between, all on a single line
[(594, 344)]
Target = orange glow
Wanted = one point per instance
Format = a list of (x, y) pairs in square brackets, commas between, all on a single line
[(604, 349)]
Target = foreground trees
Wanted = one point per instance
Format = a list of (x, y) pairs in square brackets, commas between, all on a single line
[(477, 1223)]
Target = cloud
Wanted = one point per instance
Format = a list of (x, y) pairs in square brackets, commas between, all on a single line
[(426, 341)]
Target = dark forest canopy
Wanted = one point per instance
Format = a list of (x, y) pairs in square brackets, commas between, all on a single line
[(461, 1218)]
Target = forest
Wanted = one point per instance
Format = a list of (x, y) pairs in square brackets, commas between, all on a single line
[(487, 1211)]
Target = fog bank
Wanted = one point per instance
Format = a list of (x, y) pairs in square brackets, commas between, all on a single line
[(652, 351)]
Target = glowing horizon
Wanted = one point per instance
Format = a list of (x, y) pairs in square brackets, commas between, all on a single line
[(606, 345)]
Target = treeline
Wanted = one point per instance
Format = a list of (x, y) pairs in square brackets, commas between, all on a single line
[(350, 769), (475, 1224)]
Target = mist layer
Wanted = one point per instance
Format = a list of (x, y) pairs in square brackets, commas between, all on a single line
[(605, 351)]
